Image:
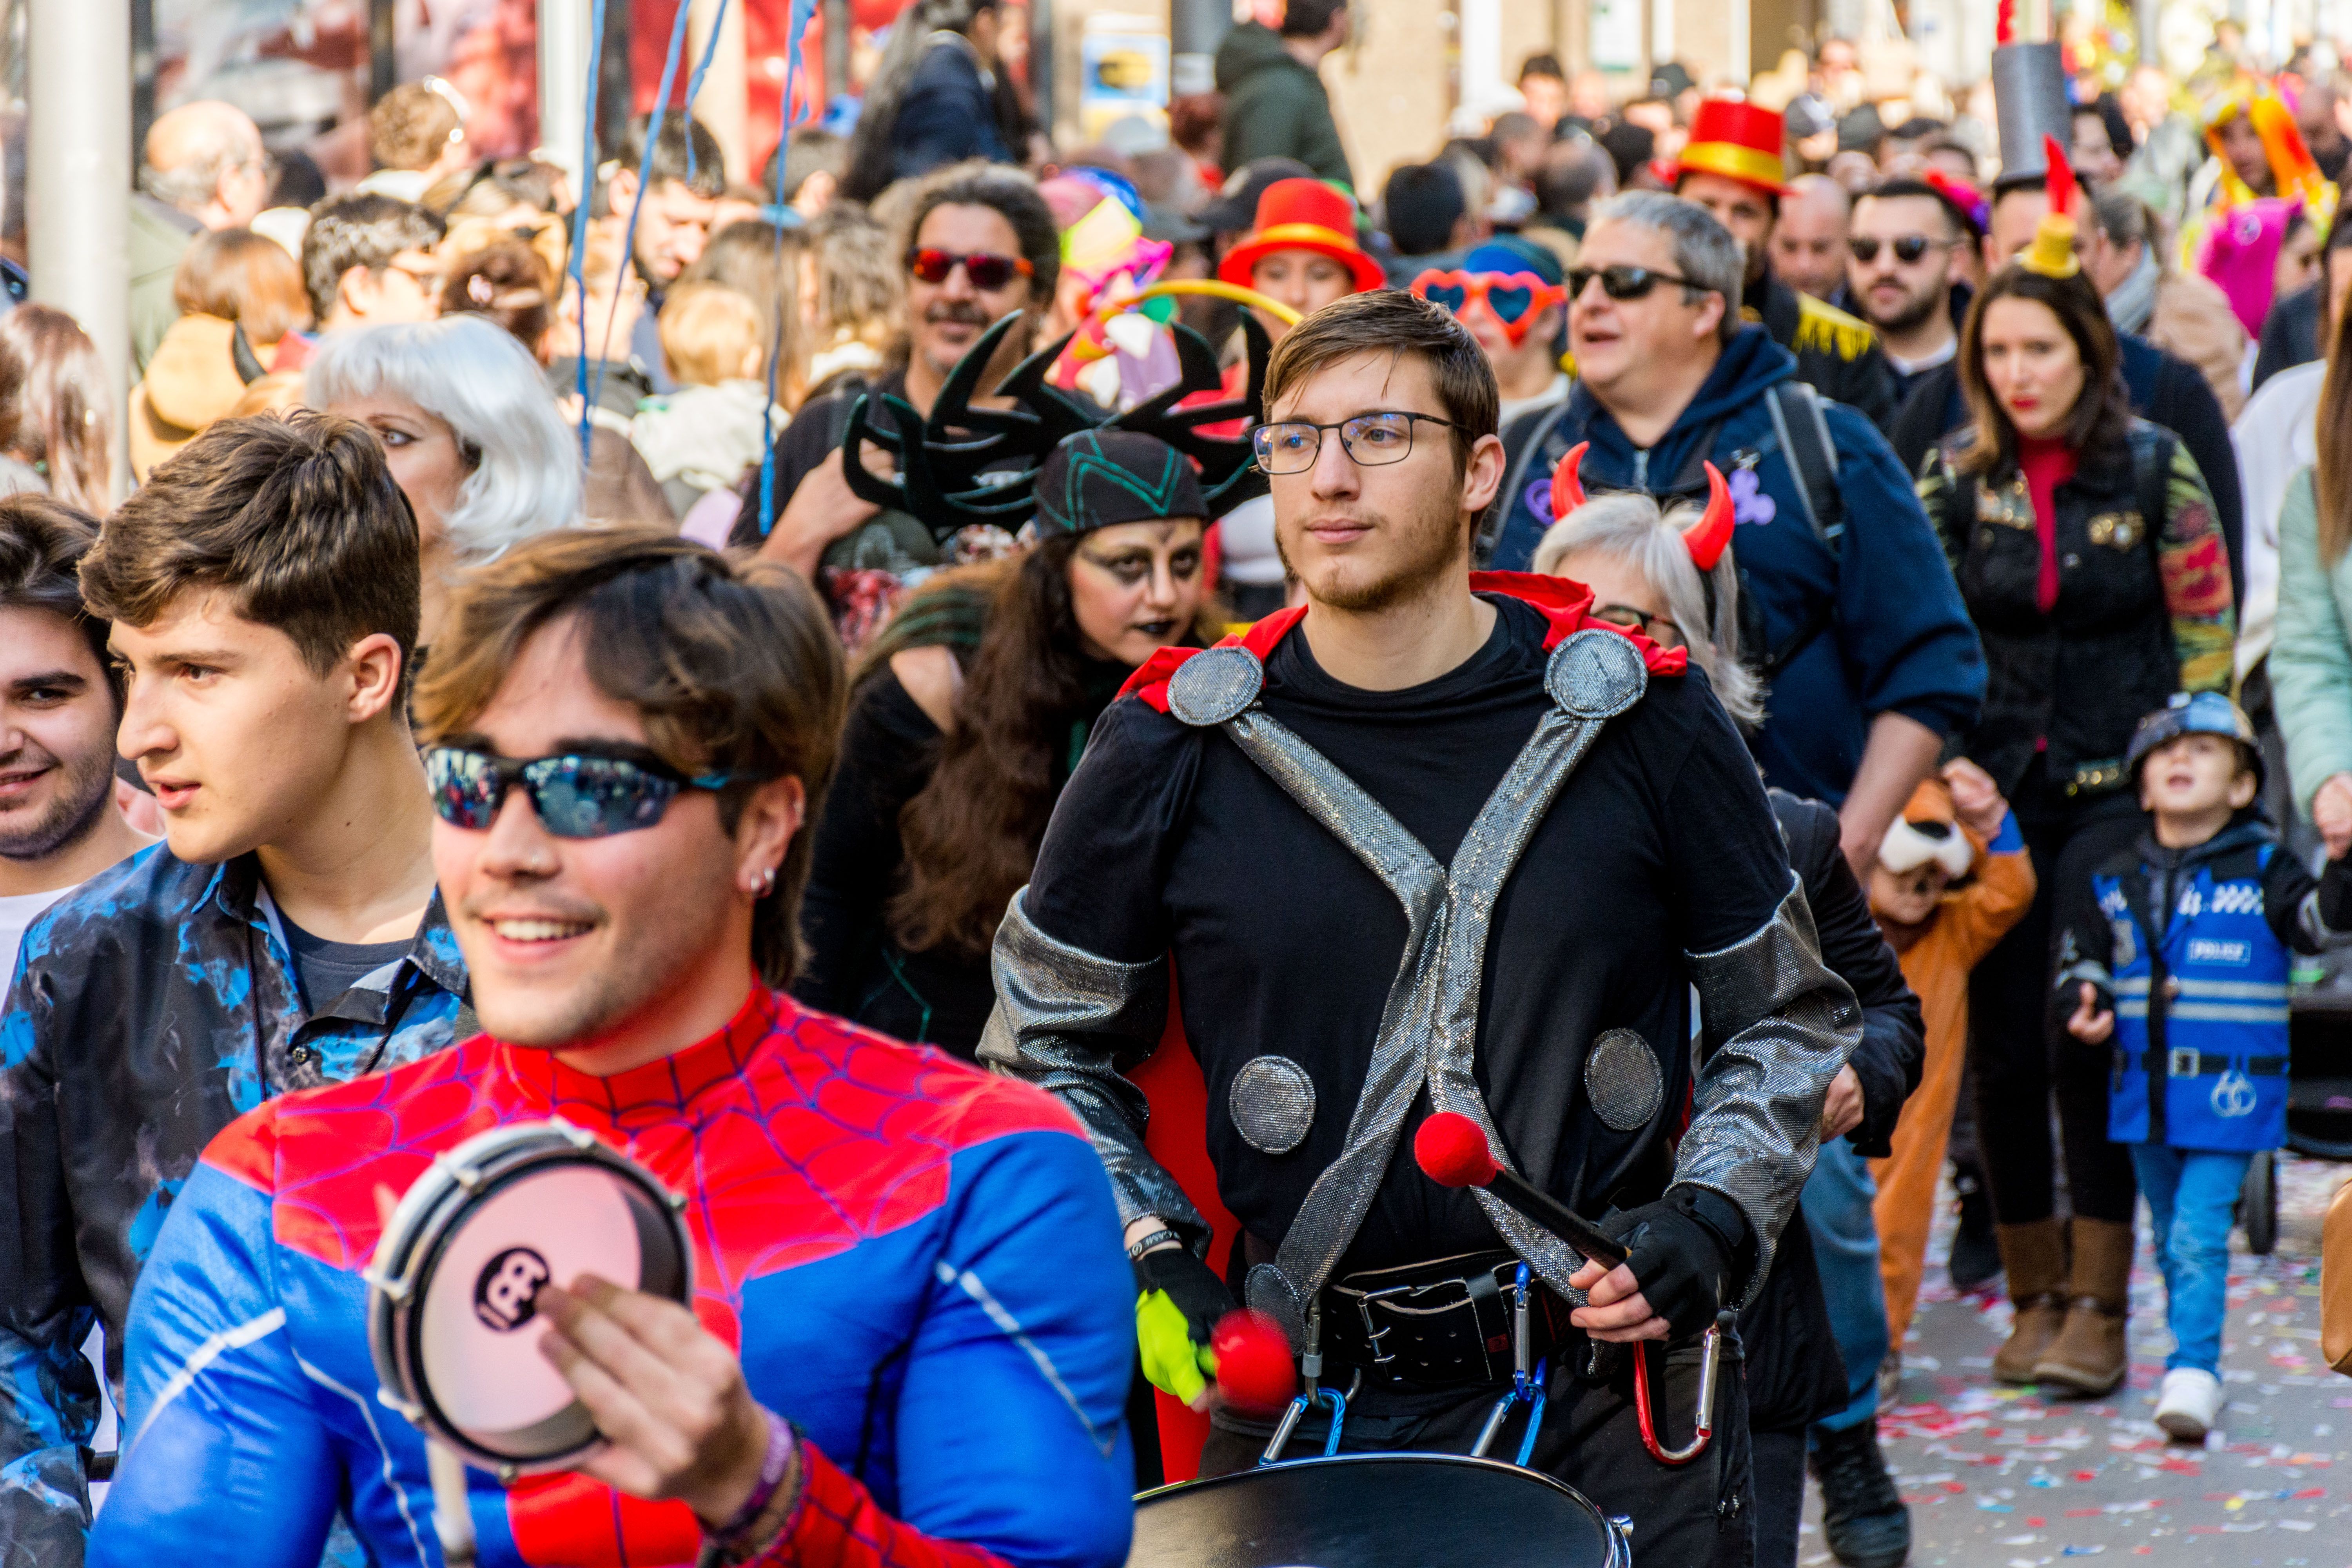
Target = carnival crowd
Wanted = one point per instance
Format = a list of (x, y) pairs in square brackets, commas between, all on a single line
[(941, 586)]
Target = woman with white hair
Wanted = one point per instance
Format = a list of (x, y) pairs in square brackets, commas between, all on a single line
[(469, 431), (1667, 573)]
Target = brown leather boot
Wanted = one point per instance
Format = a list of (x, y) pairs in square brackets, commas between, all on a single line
[(2034, 1257), (2089, 1356)]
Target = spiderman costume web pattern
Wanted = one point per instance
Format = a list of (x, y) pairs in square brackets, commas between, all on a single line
[(915, 1262)]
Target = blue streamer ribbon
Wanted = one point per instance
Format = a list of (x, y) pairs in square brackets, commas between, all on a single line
[(644, 171), (579, 212), (787, 118)]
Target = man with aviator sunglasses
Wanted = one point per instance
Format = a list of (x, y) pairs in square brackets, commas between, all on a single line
[(978, 245), (1509, 292), (263, 587)]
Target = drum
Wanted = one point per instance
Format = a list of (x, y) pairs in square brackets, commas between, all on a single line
[(1375, 1511), (452, 1321)]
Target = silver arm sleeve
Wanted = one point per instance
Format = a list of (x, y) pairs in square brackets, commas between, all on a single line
[(1065, 1020), (1776, 1024)]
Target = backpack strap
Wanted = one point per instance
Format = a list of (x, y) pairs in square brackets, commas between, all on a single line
[(1533, 429), (1804, 436)]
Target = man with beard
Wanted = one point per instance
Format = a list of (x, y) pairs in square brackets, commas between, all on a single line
[(681, 198), (977, 244), (1732, 167), (1905, 277), (1517, 836), (907, 1344), (59, 825), (263, 586)]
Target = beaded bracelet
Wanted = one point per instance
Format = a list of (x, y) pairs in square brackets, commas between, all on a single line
[(756, 1524)]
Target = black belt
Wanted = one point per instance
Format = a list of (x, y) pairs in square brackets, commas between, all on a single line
[(1441, 1324), (2183, 1062)]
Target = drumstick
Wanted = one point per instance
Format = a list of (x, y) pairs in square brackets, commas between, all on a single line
[(1453, 1152), (452, 1518)]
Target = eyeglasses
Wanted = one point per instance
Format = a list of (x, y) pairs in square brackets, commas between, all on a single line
[(987, 270), (1372, 439), (1908, 247), (1626, 282), (1513, 299), (428, 282), (1663, 630), (575, 796)]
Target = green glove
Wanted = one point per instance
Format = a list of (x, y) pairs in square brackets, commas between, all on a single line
[(1172, 1364), (1179, 1302)]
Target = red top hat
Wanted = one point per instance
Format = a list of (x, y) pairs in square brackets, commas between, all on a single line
[(1737, 140), (1302, 214)]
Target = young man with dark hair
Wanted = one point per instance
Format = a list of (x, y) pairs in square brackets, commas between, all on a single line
[(682, 188), (1446, 767), (910, 1340), (1426, 215), (263, 586), (978, 243), (1276, 104), (59, 823), (1904, 266), (367, 260)]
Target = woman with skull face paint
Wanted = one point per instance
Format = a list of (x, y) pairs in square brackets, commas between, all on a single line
[(971, 709)]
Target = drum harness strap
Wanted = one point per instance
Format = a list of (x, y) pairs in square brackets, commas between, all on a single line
[(1428, 1032)]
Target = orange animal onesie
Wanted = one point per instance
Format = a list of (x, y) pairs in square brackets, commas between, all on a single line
[(1936, 957)]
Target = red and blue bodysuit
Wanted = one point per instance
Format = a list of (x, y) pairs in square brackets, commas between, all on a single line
[(917, 1264)]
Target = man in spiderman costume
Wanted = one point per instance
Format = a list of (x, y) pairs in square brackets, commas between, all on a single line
[(1516, 837), (909, 1342)]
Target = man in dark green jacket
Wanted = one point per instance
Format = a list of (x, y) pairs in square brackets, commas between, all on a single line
[(1274, 103)]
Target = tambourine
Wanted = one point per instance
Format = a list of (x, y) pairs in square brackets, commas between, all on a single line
[(452, 1323)]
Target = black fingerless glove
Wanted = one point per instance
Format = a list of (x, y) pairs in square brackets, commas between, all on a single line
[(1684, 1249), (1190, 1284)]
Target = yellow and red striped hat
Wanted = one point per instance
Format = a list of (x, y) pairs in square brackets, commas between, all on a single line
[(1739, 140)]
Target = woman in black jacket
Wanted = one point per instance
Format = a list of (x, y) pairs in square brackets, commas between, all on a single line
[(2087, 552), (969, 711)]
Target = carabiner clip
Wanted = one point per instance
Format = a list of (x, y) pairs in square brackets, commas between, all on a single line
[(1327, 1395), (1705, 1422)]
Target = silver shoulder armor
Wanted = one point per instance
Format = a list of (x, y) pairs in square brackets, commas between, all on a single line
[(1067, 1020), (1777, 1023)]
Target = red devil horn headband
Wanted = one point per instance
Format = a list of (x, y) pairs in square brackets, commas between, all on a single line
[(1567, 489), (1706, 540), (1712, 532)]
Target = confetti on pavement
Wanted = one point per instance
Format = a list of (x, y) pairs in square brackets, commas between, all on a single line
[(2004, 1478)]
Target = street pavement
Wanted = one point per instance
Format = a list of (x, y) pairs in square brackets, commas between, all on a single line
[(2002, 1478)]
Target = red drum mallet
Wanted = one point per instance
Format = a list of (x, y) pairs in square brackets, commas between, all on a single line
[(1452, 1152)]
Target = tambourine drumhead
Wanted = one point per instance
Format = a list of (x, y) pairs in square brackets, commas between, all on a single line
[(1374, 1511), (452, 1319)]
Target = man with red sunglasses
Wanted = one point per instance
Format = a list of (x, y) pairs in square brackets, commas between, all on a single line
[(1511, 294), (977, 244)]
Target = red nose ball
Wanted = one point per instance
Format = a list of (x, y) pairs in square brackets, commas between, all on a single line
[(1453, 1152), (1254, 1372)]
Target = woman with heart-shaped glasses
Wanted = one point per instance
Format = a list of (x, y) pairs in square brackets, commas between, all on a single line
[(1511, 294)]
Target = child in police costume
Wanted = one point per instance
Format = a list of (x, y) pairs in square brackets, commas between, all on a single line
[(2194, 1006)]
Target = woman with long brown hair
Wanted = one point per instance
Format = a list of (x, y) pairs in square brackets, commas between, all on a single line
[(969, 711), (2087, 549)]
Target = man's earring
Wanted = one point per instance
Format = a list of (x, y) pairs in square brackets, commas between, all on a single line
[(767, 882)]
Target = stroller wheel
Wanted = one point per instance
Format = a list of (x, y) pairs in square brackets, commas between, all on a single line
[(2258, 1203)]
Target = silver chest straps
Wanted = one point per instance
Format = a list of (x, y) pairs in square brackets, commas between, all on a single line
[(1428, 1031)]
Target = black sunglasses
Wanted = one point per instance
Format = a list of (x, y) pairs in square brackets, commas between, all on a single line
[(986, 269), (1625, 282), (1907, 248), (575, 796)]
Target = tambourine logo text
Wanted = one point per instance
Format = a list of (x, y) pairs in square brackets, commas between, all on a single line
[(506, 1296)]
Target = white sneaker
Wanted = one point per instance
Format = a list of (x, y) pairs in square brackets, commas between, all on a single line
[(2189, 1402)]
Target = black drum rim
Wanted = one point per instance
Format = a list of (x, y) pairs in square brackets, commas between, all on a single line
[(517, 1151)]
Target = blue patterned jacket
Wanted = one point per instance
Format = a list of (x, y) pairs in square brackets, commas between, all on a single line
[(149, 1008)]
